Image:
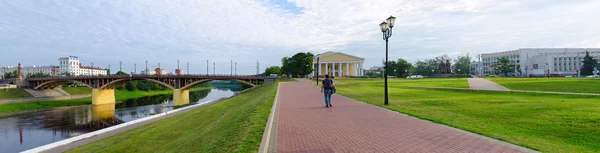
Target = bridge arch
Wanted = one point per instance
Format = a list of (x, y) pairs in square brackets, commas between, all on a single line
[(114, 84), (56, 83), (190, 85)]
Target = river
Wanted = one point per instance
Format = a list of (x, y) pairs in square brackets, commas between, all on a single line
[(25, 131)]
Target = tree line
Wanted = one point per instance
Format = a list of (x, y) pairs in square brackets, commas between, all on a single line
[(301, 64)]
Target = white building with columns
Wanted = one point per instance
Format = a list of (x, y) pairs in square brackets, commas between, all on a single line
[(338, 64)]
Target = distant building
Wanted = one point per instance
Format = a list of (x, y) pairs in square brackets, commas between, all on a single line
[(159, 71), (26, 70), (72, 66), (541, 61), (148, 72), (374, 69), (475, 68), (338, 64), (179, 71)]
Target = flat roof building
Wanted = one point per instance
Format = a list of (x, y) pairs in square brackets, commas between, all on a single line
[(540, 61)]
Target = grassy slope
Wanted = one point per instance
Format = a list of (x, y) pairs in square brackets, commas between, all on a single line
[(120, 95), (233, 125), (549, 123), (550, 84), (77, 90), (14, 93)]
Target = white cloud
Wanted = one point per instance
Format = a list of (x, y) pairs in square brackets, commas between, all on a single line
[(106, 32)]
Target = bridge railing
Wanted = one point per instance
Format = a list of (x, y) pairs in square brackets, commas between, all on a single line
[(78, 77), (143, 75)]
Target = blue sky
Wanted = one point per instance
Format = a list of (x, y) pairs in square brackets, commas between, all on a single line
[(105, 32)]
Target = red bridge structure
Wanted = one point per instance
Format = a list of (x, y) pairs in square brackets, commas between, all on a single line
[(103, 86)]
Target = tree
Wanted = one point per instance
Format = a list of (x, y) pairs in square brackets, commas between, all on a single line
[(10, 75), (504, 66), (398, 68), (121, 73), (429, 66), (298, 65), (272, 70), (463, 63), (589, 63), (404, 68), (130, 85), (38, 75), (66, 74)]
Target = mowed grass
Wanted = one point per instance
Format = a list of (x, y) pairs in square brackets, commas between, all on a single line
[(233, 125), (581, 85), (13, 93), (423, 82), (77, 90), (544, 122), (119, 95)]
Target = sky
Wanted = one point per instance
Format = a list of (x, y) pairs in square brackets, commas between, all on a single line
[(105, 32)]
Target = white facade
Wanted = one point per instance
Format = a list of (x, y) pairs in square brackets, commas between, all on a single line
[(26, 70), (542, 61), (73, 66)]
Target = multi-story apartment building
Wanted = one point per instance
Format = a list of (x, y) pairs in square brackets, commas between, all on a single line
[(26, 70), (540, 61), (73, 66)]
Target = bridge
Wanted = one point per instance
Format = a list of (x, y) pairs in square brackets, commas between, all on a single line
[(103, 86)]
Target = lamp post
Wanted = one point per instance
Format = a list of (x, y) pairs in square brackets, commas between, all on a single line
[(318, 66), (386, 28)]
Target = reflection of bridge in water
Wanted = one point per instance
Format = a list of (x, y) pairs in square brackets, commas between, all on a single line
[(103, 86)]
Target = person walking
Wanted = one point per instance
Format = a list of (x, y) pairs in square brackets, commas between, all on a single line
[(327, 88)]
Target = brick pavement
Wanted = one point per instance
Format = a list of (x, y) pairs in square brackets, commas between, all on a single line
[(305, 125)]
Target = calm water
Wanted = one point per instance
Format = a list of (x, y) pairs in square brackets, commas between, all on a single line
[(29, 130)]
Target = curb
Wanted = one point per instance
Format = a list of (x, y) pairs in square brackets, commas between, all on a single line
[(268, 133)]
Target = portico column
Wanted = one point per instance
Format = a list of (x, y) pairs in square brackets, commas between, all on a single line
[(326, 68), (340, 69), (347, 68), (355, 68)]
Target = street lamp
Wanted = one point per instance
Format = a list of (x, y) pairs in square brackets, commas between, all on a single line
[(386, 28), (318, 66)]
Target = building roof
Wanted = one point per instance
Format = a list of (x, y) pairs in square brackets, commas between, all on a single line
[(327, 54), (89, 67)]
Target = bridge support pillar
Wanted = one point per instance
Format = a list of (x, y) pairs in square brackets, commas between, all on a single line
[(181, 97), (104, 111), (103, 96)]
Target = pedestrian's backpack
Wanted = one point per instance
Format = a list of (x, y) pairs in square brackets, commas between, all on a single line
[(328, 83)]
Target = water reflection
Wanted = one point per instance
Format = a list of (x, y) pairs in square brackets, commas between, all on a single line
[(29, 130)]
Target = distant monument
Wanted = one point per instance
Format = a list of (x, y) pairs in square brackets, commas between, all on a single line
[(445, 68)]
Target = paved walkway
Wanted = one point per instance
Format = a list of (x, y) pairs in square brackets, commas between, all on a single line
[(304, 125), (483, 84)]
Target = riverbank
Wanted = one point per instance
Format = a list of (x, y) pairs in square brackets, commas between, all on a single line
[(233, 125), (119, 95)]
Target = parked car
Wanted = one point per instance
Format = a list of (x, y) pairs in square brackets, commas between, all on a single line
[(414, 76)]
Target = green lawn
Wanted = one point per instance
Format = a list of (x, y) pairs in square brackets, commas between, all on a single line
[(77, 90), (119, 95), (13, 93), (424, 82), (233, 125), (582, 85), (544, 122)]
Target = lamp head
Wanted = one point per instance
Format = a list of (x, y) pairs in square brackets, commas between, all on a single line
[(383, 26), (391, 20)]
